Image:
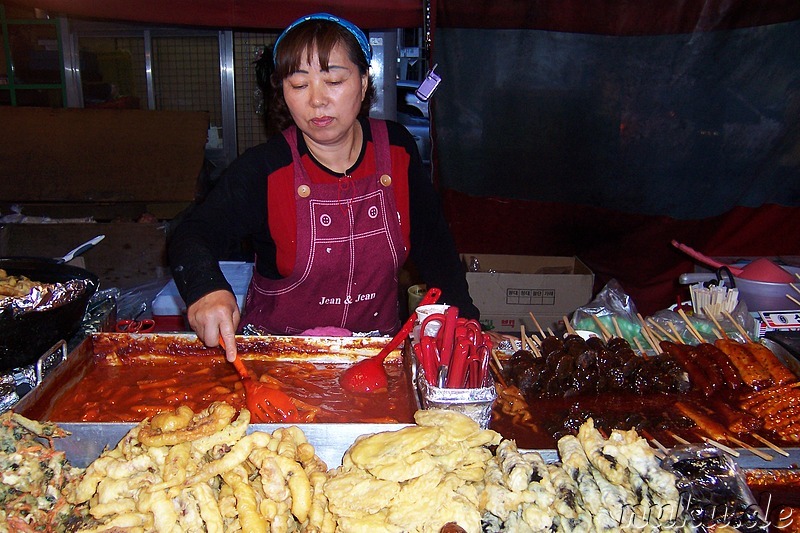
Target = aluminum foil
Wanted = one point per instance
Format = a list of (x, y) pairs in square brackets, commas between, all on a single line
[(475, 403), (44, 297)]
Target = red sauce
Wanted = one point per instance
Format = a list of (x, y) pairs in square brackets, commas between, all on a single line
[(137, 389)]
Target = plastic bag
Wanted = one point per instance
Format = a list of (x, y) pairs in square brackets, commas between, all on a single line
[(612, 310), (714, 490)]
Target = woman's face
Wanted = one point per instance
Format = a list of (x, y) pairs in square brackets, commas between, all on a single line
[(325, 104)]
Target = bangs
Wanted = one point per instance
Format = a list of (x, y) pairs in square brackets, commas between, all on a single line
[(320, 37)]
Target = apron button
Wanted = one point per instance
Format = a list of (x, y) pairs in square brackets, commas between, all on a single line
[(303, 191), (386, 180)]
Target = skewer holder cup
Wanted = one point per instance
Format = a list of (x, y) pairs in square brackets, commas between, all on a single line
[(475, 403)]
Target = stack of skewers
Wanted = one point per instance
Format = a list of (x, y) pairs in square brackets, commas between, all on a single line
[(714, 300)]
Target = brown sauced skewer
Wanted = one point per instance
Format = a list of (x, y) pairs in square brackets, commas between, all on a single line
[(698, 377), (781, 375), (752, 373)]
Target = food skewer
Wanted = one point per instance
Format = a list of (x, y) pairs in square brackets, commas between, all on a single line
[(647, 333), (536, 323), (616, 326), (569, 327), (795, 287), (678, 338), (719, 328), (754, 451), (792, 298), (726, 449), (655, 442), (678, 438), (497, 360), (639, 345), (493, 366), (606, 334), (738, 326), (663, 331), (523, 338), (690, 326), (770, 445)]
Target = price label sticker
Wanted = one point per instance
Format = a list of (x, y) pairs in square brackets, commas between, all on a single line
[(781, 319)]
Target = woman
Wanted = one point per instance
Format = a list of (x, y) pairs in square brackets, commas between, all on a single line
[(333, 205)]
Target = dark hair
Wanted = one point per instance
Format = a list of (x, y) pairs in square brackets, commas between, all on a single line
[(319, 36)]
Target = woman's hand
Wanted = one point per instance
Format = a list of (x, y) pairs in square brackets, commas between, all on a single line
[(213, 316)]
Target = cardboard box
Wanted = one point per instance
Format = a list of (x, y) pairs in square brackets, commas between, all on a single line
[(93, 172), (508, 288)]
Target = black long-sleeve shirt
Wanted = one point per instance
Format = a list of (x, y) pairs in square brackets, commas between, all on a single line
[(236, 208)]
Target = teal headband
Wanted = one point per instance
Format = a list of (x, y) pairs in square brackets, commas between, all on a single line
[(349, 26)]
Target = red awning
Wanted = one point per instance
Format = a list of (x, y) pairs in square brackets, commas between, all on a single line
[(241, 14), (641, 17)]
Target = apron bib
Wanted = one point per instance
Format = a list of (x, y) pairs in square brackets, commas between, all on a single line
[(349, 253)]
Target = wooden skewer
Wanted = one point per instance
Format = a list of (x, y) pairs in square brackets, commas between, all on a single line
[(536, 323), (497, 360), (550, 331), (718, 327), (770, 445), (606, 334), (721, 446), (616, 326), (523, 338), (535, 339), (678, 437), (737, 326), (675, 332), (663, 331), (496, 372), (793, 299), (795, 287), (639, 345), (646, 333), (569, 327), (535, 350), (797, 275), (690, 326), (754, 451), (660, 446)]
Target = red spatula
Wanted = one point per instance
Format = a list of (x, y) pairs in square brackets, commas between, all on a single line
[(264, 403), (369, 375)]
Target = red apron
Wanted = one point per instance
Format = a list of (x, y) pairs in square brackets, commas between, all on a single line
[(349, 253)]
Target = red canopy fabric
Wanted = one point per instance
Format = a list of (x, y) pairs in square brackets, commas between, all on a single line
[(253, 14), (644, 17)]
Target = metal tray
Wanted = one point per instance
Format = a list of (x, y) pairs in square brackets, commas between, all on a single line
[(37, 404), (87, 440)]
